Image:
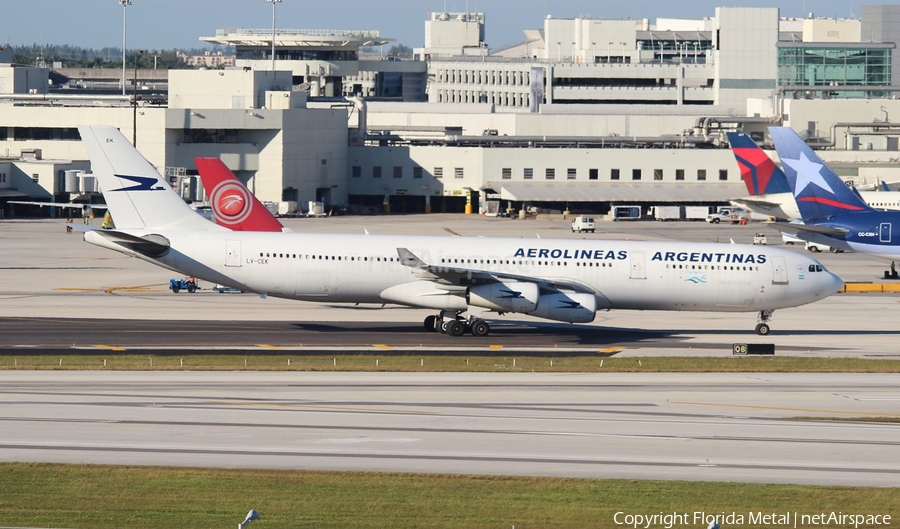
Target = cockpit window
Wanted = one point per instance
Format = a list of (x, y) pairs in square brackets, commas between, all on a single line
[(819, 268)]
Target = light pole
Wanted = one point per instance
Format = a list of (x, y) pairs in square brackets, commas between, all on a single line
[(608, 53), (137, 54), (125, 4), (273, 2), (559, 52), (623, 50)]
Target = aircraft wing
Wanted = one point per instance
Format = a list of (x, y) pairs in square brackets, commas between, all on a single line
[(458, 276), (751, 203), (58, 204), (792, 228)]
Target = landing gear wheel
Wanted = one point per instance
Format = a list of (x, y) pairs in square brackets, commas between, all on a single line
[(455, 328), (762, 329), (429, 323), (480, 328)]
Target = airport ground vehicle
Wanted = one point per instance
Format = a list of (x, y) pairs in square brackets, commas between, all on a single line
[(729, 214), (814, 247), (583, 224), (177, 285)]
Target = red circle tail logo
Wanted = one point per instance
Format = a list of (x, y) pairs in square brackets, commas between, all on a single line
[(231, 203)]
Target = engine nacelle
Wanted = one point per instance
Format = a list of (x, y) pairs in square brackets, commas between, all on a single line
[(571, 308), (505, 297)]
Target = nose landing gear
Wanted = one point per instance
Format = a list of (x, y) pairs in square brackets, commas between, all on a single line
[(762, 328)]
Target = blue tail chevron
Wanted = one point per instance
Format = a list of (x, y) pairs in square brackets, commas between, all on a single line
[(819, 192)]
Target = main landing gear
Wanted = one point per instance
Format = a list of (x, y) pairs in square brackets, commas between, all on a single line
[(762, 328), (453, 324)]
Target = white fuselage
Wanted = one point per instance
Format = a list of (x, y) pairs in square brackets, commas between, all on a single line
[(622, 274), (783, 205)]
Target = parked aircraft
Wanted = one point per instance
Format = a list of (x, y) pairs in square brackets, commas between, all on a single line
[(769, 191), (564, 280), (233, 205), (832, 213)]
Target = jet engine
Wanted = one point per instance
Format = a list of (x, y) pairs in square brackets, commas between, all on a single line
[(571, 308), (505, 297)]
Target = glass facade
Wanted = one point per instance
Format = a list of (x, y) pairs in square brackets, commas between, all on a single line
[(828, 66)]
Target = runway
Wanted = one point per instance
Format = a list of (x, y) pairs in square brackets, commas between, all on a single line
[(727, 427), (59, 295)]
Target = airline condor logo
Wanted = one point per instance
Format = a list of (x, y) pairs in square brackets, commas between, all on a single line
[(231, 202), (142, 183)]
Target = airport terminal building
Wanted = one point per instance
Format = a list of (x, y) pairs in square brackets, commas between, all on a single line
[(582, 114)]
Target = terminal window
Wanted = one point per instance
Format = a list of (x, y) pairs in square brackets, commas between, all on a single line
[(356, 171), (506, 173), (36, 178), (2, 178), (613, 174), (439, 172), (528, 173), (635, 174), (593, 174), (571, 174), (398, 171), (550, 174), (723, 174), (417, 172), (376, 171), (701, 174), (657, 174), (458, 172), (679, 174)]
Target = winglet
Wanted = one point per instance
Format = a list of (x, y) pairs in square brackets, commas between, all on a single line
[(819, 192), (407, 258)]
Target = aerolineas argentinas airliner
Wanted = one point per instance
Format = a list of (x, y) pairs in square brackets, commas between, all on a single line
[(460, 277)]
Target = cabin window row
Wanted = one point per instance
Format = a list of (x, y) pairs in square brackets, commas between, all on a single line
[(711, 267), (327, 257)]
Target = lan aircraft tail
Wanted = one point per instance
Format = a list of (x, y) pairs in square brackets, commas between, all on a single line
[(233, 205), (819, 192), (137, 197)]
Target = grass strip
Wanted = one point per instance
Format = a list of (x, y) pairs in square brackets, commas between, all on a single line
[(113, 497), (448, 363)]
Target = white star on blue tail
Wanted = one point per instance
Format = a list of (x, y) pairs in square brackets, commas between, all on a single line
[(808, 172)]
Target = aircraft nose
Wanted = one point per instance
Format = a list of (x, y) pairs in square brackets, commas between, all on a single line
[(837, 284)]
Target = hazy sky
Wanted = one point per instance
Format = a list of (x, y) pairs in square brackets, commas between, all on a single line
[(166, 24)]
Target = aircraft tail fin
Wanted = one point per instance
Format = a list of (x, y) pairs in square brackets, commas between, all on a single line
[(233, 205), (759, 172), (819, 192), (137, 196)]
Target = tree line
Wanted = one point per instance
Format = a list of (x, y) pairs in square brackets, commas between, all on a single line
[(78, 57)]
